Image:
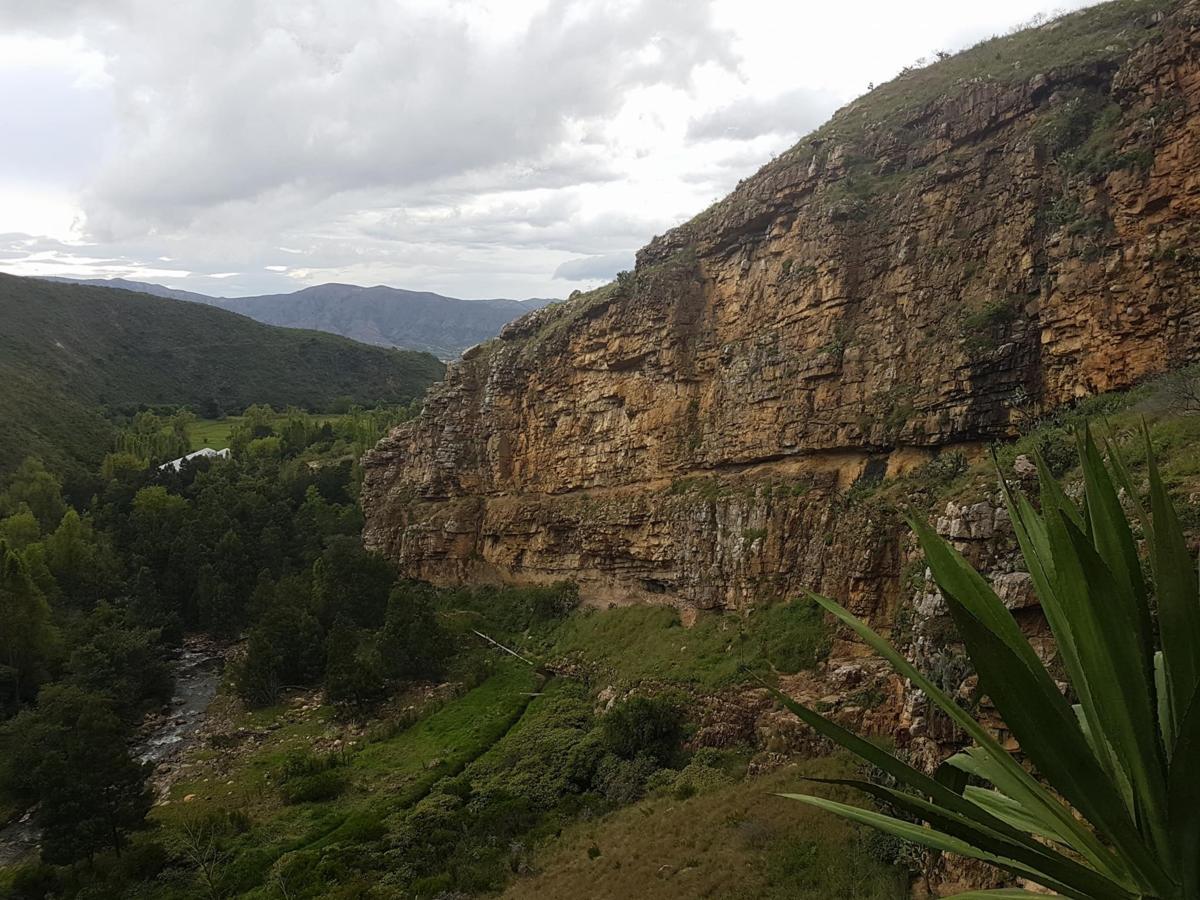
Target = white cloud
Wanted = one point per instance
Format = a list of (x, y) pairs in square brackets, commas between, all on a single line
[(477, 147)]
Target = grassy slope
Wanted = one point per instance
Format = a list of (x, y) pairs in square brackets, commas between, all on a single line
[(738, 842), (384, 776), (67, 351)]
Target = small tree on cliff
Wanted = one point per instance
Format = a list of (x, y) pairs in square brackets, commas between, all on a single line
[(1116, 810)]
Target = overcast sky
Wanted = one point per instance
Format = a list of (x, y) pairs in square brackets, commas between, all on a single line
[(478, 148)]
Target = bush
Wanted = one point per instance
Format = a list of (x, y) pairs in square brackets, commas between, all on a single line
[(33, 882), (623, 781), (315, 788), (650, 727)]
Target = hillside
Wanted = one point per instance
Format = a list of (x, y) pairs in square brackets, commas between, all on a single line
[(69, 351), (385, 316)]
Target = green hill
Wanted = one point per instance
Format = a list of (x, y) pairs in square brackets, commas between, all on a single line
[(70, 353)]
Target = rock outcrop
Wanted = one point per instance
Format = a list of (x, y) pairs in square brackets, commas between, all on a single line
[(973, 244)]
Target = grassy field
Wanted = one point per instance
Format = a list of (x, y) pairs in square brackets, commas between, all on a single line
[(215, 432), (631, 644), (738, 842)]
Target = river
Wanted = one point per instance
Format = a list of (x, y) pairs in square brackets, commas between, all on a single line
[(197, 668)]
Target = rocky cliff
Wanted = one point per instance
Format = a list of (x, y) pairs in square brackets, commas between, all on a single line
[(963, 249)]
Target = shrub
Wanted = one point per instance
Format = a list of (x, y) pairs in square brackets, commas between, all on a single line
[(623, 781), (644, 726), (315, 788)]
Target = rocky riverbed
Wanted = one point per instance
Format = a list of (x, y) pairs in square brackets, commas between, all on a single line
[(162, 737)]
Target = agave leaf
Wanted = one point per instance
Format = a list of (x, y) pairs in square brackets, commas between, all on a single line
[(1115, 545), (1053, 496), (1166, 716), (929, 837), (1184, 784), (1121, 472), (1033, 536), (1037, 858), (1008, 810), (1124, 712), (933, 788), (982, 766), (1103, 751), (1081, 838), (1178, 595), (1049, 734)]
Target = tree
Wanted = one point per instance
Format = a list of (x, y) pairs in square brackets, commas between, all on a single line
[(20, 529), (412, 643), (83, 565), (1116, 810), (283, 648), (28, 639), (352, 584), (39, 490), (113, 655), (69, 756), (353, 671)]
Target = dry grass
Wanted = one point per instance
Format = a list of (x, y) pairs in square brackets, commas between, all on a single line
[(737, 843)]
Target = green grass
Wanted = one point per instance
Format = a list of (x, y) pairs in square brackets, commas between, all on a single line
[(70, 352), (649, 643), (215, 432), (381, 777)]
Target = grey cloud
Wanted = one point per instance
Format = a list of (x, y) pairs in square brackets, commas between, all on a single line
[(793, 113), (223, 102), (594, 268)]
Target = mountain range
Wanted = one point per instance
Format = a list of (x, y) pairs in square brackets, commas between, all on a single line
[(379, 315)]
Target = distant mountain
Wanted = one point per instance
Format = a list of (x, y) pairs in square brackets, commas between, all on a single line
[(384, 316), (69, 351), (141, 287)]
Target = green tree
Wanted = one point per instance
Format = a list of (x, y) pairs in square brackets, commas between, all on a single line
[(69, 757), (82, 563), (644, 727), (113, 655), (354, 674), (33, 486), (20, 529), (285, 648), (28, 639), (351, 584), (412, 643), (1116, 810)]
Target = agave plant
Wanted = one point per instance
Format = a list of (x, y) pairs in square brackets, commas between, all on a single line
[(1113, 810)]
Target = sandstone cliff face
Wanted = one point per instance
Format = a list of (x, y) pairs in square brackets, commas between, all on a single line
[(918, 275)]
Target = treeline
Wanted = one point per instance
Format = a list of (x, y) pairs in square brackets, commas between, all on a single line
[(94, 595)]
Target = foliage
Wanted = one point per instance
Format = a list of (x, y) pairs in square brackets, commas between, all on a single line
[(645, 727), (69, 756), (69, 353), (28, 640), (1118, 814)]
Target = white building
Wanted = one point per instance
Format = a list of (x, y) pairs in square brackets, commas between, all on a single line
[(207, 452)]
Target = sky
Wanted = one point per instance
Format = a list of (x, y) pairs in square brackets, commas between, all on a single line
[(477, 148)]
